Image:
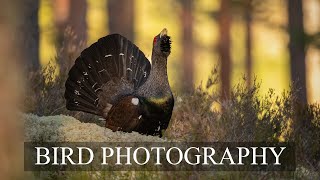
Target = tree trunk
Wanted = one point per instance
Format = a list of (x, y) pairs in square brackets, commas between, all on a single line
[(28, 34), (187, 45), (61, 15), (77, 20), (224, 47), (13, 29), (297, 48), (121, 17), (248, 41), (71, 15)]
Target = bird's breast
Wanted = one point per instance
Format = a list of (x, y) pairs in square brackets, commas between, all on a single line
[(160, 103), (159, 100)]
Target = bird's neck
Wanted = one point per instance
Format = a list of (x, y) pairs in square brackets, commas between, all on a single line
[(157, 84), (159, 67)]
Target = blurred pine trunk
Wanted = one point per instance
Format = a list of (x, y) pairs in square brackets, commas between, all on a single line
[(187, 45), (297, 47), (248, 57), (224, 47), (77, 19), (72, 14), (18, 31), (28, 34), (121, 17), (60, 15), (71, 24)]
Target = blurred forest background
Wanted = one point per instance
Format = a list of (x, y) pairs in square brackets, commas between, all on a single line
[(276, 41), (273, 41)]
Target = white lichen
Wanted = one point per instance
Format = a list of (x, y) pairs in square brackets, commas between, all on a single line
[(68, 129)]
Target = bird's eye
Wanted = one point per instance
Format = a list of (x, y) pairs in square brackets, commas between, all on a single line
[(154, 40)]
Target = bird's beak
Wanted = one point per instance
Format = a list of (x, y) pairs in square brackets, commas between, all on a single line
[(163, 32)]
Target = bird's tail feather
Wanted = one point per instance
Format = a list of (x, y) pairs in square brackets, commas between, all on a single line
[(112, 58)]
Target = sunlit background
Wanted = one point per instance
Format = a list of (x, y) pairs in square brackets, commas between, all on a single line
[(270, 39)]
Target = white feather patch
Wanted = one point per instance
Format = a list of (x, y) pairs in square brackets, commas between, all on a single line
[(135, 101)]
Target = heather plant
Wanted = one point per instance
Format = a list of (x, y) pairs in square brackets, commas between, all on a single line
[(45, 88), (249, 117), (45, 92)]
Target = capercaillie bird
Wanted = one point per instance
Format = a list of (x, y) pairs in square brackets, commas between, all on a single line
[(113, 79)]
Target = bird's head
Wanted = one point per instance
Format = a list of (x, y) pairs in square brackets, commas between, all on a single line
[(162, 43)]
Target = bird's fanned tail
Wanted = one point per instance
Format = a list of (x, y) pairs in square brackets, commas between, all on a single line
[(108, 69)]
